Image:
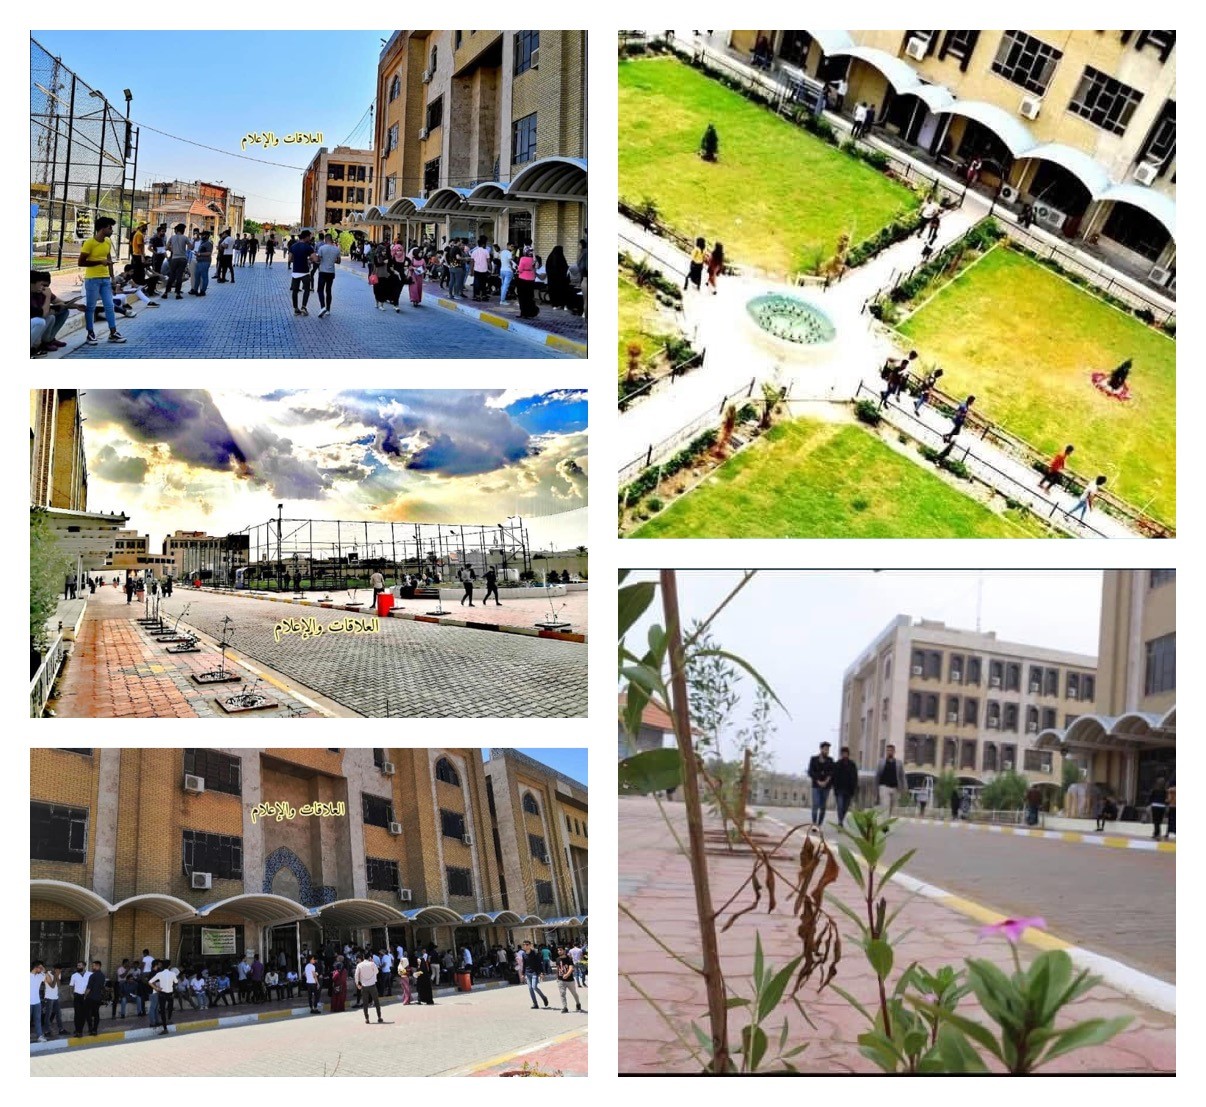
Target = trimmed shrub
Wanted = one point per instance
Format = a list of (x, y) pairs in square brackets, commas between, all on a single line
[(867, 412)]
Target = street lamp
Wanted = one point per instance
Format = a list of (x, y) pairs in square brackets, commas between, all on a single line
[(279, 525)]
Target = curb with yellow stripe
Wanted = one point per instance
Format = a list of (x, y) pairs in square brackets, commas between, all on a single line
[(522, 330), (506, 1058), (1113, 841)]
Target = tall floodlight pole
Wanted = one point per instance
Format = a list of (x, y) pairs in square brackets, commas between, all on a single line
[(280, 510)]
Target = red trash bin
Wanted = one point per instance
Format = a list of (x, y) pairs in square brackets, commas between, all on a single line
[(385, 603), (464, 980)]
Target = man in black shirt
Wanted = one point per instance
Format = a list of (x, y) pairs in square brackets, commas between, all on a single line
[(891, 780), (820, 772), (845, 784)]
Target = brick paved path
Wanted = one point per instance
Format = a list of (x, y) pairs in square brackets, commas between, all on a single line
[(1118, 902), (460, 1031), (253, 318), (655, 883)]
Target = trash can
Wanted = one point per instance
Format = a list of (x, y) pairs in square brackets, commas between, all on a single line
[(464, 981), (385, 602)]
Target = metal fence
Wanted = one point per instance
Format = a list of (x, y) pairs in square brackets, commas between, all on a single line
[(83, 154), (43, 680), (896, 278)]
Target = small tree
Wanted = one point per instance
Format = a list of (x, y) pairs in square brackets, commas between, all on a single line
[(1005, 792), (772, 395), (1069, 774), (647, 210), (946, 784), (634, 351), (726, 429), (47, 568), (713, 683), (709, 146)]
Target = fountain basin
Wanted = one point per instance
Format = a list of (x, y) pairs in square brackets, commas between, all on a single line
[(790, 326)]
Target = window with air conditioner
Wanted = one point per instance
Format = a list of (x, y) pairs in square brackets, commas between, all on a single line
[(377, 810), (1103, 101), (959, 44), (382, 874), (435, 114), (526, 44), (221, 771), (1010, 717), (460, 881), (218, 854), (1026, 61)]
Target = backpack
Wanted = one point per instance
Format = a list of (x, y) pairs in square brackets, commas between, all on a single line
[(886, 371)]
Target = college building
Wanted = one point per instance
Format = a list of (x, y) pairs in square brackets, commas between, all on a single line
[(208, 853), (961, 700), (481, 132), (1082, 125), (196, 204), (1130, 738), (337, 185)]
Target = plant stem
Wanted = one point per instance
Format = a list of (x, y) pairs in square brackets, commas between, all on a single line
[(883, 991), (717, 1001)]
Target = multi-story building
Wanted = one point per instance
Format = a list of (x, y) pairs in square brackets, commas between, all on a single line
[(1130, 737), (960, 700), (482, 132), (539, 831), (207, 207), (337, 184), (277, 849), (196, 555), (1080, 124)]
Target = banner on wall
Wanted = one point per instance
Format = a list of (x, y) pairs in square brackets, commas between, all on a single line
[(217, 940)]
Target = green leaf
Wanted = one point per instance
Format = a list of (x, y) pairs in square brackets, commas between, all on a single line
[(971, 1029), (915, 1042), (1091, 1032), (879, 953), (851, 864), (957, 1053), (795, 1051), (645, 677), (634, 599), (624, 575), (853, 1002), (634, 709), (878, 1047), (753, 1046), (850, 913), (748, 668), (650, 771), (705, 1039), (657, 646), (895, 867), (758, 964), (769, 998), (736, 1001)]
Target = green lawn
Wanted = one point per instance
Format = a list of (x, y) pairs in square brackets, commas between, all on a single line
[(1025, 341), (638, 320), (778, 198), (804, 479)]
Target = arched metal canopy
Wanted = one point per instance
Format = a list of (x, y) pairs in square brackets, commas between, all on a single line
[(83, 901), (500, 918), (1010, 130), (568, 920), (407, 207), (358, 912), (1085, 169), (434, 915), (259, 907), (554, 178), (896, 71), (444, 200), (1134, 730), (1156, 204), (831, 42), (166, 907)]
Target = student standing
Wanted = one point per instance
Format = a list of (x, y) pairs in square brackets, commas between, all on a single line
[(525, 286), (506, 271), (480, 257), (178, 250), (79, 1010), (491, 587), (1157, 803), (329, 256), (269, 249), (96, 260), (924, 392), (845, 783), (820, 772), (467, 576), (94, 996), (163, 985), (311, 977), (695, 269), (1055, 469), (203, 257)]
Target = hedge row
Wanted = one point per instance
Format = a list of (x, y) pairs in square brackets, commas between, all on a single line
[(649, 479)]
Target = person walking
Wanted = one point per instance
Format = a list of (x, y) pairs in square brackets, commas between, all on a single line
[(226, 257), (935, 223), (178, 247), (339, 987), (404, 976), (467, 577), (715, 265), (1171, 811), (96, 259), (253, 248), (202, 259), (528, 964), (860, 118), (299, 268), (695, 268), (387, 971), (329, 256), (525, 277), (820, 772), (492, 587), (480, 257), (956, 804), (52, 1013), (929, 211), (163, 988), (269, 249), (423, 979), (506, 271), (1157, 804), (310, 974), (890, 779), (1055, 469), (566, 981), (1087, 497), (894, 378), (94, 996), (417, 272), (366, 987), (1034, 799), (845, 783), (926, 390), (958, 419)]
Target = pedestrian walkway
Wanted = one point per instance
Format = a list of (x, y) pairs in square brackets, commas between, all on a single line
[(656, 886), (253, 318), (565, 1055), (1119, 836)]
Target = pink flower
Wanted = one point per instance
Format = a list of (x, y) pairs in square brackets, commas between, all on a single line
[(1012, 928)]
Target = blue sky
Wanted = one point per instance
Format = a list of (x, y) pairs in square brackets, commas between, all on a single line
[(572, 762), (229, 83)]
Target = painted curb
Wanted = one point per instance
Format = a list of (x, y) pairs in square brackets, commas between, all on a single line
[(503, 1058), (532, 334), (1112, 841), (438, 620)]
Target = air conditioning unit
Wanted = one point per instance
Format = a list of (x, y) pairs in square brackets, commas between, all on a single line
[(427, 75), (202, 880), (1035, 689), (1032, 728), (1010, 194), (994, 682), (917, 670), (956, 677), (1050, 217), (1146, 172), (994, 724), (917, 47), (952, 716), (387, 767), (536, 58), (395, 828), (468, 839), (1029, 107), (423, 133), (405, 895), (1007, 765), (1158, 274), (194, 783)]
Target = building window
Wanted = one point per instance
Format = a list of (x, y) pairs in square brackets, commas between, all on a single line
[(523, 139), (58, 833), (379, 758), (996, 674), (335, 172), (526, 44), (432, 60), (460, 881), (1073, 686), (1011, 718), (952, 709), (334, 216), (221, 855), (990, 757), (1103, 101), (395, 88), (530, 806), (435, 113), (1036, 761), (56, 943), (1009, 757), (1013, 677), (1069, 720), (1032, 720), (391, 140), (1048, 718), (918, 663), (912, 750), (378, 811), (544, 891), (1161, 665), (950, 749), (452, 824), (382, 874), (1026, 61), (1088, 688), (959, 44), (931, 708), (537, 847), (1160, 146), (431, 175), (993, 718), (973, 670), (460, 35), (1155, 578), (391, 187), (446, 772), (933, 665), (66, 749), (1050, 682), (220, 771), (956, 670), (334, 193), (1163, 41), (971, 712), (967, 755)]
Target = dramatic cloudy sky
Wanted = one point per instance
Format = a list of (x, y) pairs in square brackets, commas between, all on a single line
[(190, 459), (801, 629)]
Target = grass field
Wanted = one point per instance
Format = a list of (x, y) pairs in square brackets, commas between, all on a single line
[(639, 320), (1025, 341), (778, 198), (808, 479)]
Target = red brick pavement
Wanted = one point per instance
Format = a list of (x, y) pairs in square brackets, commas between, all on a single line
[(655, 884), (567, 1058)]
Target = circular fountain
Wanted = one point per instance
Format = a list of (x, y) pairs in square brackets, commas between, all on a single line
[(790, 326)]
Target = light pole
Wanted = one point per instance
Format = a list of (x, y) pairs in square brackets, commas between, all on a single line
[(280, 508)]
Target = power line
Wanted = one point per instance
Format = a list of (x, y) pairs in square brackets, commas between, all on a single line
[(217, 150)]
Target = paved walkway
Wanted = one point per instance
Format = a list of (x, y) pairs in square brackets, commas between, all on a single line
[(253, 318), (656, 885)]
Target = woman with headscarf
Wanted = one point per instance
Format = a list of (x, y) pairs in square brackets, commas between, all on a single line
[(715, 265), (417, 269), (423, 979), (557, 277), (387, 286), (525, 285), (339, 986)]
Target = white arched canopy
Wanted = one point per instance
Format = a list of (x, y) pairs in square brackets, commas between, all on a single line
[(554, 178), (166, 907), (358, 912), (260, 907), (1085, 169), (83, 901), (1011, 131), (407, 207), (1156, 204), (897, 72), (434, 915), (445, 200)]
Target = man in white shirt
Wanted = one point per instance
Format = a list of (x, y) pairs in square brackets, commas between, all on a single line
[(506, 271), (226, 257), (366, 985), (329, 256), (163, 986), (244, 968), (466, 959), (387, 972), (37, 975), (79, 984), (290, 983), (575, 953), (311, 975), (147, 962), (860, 117), (196, 990)]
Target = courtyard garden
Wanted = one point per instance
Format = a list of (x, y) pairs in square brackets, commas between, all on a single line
[(1025, 341), (778, 197), (811, 479)]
